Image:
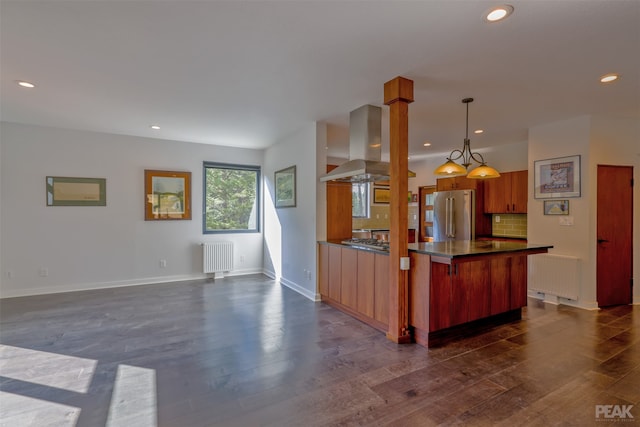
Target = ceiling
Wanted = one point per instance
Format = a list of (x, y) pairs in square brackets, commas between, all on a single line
[(244, 73)]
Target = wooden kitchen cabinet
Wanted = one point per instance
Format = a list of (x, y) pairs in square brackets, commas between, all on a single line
[(339, 213), (457, 183), (349, 278), (507, 194), (381, 289), (366, 283), (356, 282), (460, 293), (508, 283)]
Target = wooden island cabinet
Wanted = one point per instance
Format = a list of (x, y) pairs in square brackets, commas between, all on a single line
[(454, 287), (356, 282)]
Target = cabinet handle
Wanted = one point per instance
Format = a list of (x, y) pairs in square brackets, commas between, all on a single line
[(514, 207)]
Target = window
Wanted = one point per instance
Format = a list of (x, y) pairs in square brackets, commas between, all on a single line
[(231, 198), (360, 200)]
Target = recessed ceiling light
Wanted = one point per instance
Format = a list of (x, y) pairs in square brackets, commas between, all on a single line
[(26, 84), (155, 127), (608, 78), (498, 13), (427, 144), (478, 131)]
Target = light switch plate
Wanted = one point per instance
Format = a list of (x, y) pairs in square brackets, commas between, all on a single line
[(404, 263), (565, 220)]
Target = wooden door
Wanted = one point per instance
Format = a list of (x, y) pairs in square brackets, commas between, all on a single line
[(366, 283), (323, 270), (339, 212), (426, 213), (349, 278), (614, 233), (440, 297), (381, 291)]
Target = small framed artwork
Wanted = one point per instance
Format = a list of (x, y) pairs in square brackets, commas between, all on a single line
[(167, 195), (556, 207), (285, 187), (555, 178), (381, 195), (68, 191)]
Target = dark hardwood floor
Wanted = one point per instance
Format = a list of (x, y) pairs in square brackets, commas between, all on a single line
[(244, 351)]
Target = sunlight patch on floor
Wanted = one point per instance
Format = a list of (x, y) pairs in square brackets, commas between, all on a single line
[(47, 369), (27, 411), (133, 402)]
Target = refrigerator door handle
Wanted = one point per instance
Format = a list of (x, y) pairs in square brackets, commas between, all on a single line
[(450, 228)]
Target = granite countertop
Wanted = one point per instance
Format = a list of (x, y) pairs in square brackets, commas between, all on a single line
[(464, 248), (461, 248)]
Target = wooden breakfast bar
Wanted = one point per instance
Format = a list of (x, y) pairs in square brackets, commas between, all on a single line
[(454, 287)]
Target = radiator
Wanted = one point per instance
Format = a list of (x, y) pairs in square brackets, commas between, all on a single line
[(217, 257), (557, 275)]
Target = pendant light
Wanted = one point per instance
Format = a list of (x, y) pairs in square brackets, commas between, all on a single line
[(451, 168)]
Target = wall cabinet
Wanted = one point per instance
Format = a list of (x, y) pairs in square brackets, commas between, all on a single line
[(507, 194), (338, 209), (457, 183)]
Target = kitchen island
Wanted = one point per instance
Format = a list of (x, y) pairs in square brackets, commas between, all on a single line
[(454, 287)]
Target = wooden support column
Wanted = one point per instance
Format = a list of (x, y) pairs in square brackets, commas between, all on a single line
[(398, 94)]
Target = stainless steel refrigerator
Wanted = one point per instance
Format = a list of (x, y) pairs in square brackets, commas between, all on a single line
[(454, 215)]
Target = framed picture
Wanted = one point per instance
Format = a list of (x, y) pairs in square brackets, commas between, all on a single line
[(67, 191), (381, 195), (167, 195), (556, 207), (285, 187), (555, 178)]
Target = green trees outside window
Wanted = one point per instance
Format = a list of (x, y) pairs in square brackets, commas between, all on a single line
[(231, 198)]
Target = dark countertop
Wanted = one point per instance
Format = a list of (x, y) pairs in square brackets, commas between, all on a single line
[(465, 248), (460, 248)]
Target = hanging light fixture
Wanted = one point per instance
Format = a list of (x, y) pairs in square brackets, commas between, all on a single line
[(451, 168)]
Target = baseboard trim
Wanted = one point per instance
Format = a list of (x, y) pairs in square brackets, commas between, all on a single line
[(315, 297), (16, 293), (555, 300)]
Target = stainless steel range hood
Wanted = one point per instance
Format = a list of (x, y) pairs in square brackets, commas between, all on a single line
[(365, 141)]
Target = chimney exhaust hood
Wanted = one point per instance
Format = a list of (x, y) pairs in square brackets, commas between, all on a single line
[(365, 141)]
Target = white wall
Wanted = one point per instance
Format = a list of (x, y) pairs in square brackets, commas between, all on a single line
[(92, 247), (505, 158), (598, 140), (290, 233)]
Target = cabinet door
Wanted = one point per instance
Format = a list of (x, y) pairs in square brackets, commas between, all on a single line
[(500, 285), (519, 191), (464, 183), (497, 194), (419, 277), (518, 281), (323, 270), (426, 213), (366, 283), (474, 278), (381, 298), (440, 297), (445, 184), (335, 272), (349, 278)]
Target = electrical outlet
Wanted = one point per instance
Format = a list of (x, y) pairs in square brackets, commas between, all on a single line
[(497, 218), (163, 263), (241, 259), (9, 274), (43, 272)]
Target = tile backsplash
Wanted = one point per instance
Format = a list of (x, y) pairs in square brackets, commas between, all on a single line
[(510, 225), (379, 218)]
